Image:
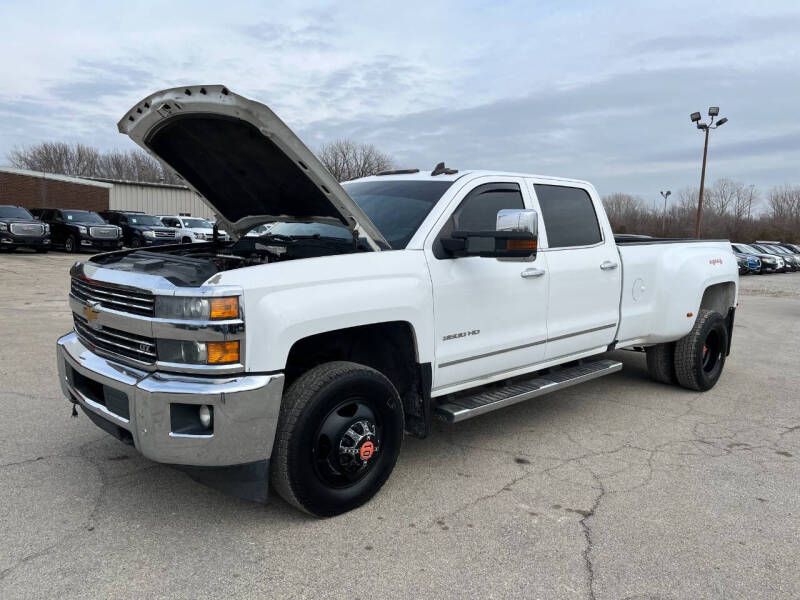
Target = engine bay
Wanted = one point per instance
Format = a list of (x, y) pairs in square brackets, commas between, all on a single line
[(193, 264)]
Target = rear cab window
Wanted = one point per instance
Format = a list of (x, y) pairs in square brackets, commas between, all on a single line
[(569, 216)]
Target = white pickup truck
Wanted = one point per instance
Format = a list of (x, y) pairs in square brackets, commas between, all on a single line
[(303, 357)]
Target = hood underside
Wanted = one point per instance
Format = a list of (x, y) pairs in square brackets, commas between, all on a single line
[(248, 166)]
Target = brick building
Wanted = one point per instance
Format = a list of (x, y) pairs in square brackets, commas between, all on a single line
[(34, 189)]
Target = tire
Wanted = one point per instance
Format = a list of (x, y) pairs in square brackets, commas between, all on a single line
[(186, 240), (661, 363), (69, 244), (318, 408), (700, 355), (136, 243)]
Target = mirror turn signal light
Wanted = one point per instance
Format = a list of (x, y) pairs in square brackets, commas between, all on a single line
[(520, 244), (225, 308), (221, 353)]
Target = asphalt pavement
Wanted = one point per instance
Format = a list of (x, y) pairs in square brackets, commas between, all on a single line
[(619, 488)]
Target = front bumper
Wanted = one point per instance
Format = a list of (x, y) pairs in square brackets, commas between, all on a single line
[(137, 407), (11, 240), (100, 243), (158, 241)]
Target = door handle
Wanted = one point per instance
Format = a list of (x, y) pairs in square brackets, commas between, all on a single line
[(532, 273), (608, 265)]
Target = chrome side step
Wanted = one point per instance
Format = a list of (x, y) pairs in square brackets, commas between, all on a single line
[(465, 407)]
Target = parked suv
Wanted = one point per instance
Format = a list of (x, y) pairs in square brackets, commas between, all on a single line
[(19, 229), (77, 229), (193, 229), (140, 229)]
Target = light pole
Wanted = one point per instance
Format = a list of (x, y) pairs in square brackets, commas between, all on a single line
[(713, 112), (665, 195)]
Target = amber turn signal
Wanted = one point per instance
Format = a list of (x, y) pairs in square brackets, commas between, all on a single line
[(221, 353), (520, 244), (225, 308)]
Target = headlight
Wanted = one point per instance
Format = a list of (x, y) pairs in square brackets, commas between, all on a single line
[(198, 353), (82, 229), (149, 234), (198, 309)]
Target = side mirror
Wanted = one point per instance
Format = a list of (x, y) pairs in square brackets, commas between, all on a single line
[(515, 236)]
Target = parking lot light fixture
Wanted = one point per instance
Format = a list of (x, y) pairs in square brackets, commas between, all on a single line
[(665, 195), (713, 113)]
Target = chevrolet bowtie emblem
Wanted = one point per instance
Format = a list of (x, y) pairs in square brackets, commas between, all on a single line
[(91, 311)]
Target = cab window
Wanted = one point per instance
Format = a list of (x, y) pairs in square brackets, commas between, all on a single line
[(478, 211), (568, 215)]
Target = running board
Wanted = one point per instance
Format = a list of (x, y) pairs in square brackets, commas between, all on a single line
[(465, 407)]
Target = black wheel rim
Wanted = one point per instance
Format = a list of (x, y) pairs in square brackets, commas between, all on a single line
[(347, 444), (712, 351), (70, 245)]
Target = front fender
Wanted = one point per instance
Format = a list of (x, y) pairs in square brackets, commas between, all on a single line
[(286, 302)]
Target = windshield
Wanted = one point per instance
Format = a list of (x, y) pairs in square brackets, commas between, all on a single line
[(14, 212), (197, 223), (82, 216), (765, 249), (397, 208), (144, 220), (309, 229), (780, 249), (745, 249)]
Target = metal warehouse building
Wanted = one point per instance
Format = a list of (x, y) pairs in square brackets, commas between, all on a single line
[(34, 189)]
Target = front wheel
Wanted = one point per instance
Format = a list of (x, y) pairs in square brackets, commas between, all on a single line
[(700, 355), (69, 244), (339, 434), (136, 243)]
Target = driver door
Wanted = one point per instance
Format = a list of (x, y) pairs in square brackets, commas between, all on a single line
[(490, 314)]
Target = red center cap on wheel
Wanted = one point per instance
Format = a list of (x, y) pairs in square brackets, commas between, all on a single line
[(367, 448)]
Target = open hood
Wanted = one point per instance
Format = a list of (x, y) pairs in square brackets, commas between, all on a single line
[(247, 165)]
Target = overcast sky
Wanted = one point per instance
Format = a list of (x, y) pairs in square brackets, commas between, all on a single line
[(597, 91)]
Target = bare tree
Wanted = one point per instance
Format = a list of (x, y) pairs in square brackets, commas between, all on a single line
[(347, 159), (86, 161)]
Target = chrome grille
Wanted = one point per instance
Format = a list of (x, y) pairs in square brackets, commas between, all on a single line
[(108, 233), (27, 228), (114, 341), (165, 234), (115, 298)]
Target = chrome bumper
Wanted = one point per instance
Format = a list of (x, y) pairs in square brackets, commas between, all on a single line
[(245, 408)]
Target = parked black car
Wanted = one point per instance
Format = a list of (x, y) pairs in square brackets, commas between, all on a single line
[(77, 229), (18, 229), (792, 262), (782, 247), (139, 229)]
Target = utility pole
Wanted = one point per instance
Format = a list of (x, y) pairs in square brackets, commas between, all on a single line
[(713, 112), (665, 195)]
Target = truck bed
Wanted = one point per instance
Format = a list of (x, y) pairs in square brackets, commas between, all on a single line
[(663, 283)]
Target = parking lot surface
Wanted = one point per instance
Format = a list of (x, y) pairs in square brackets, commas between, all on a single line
[(620, 488)]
